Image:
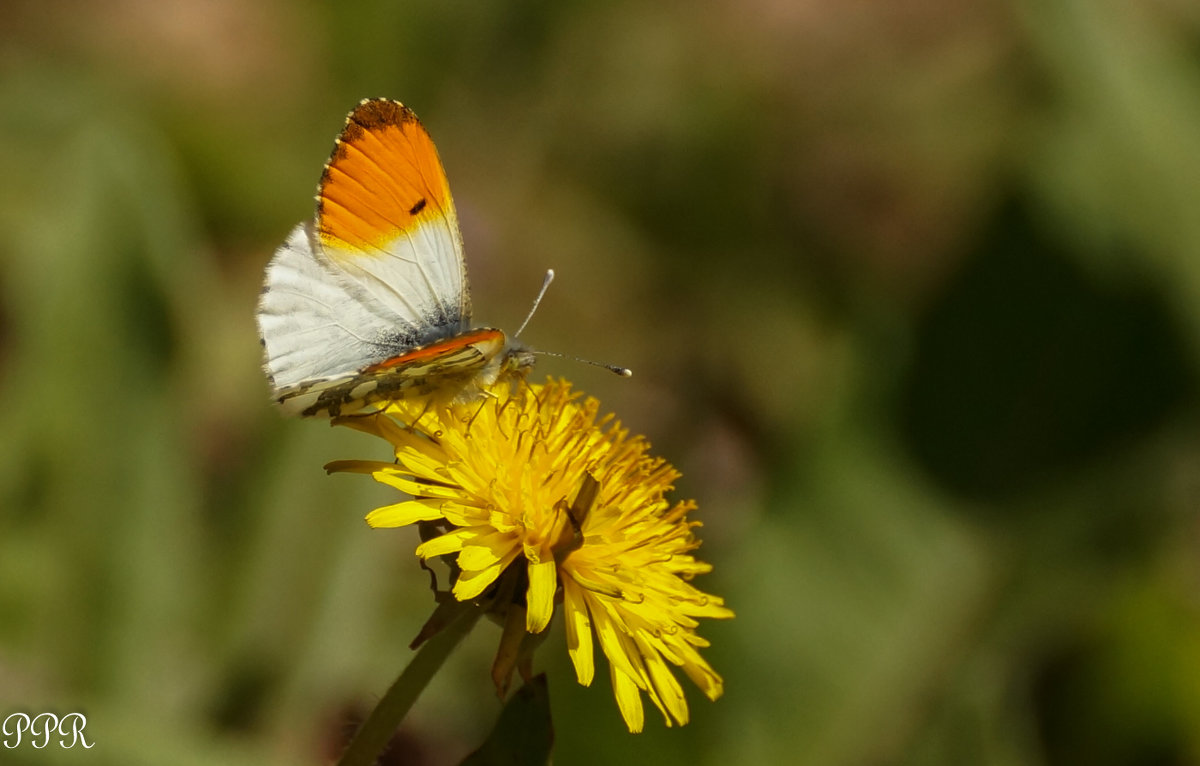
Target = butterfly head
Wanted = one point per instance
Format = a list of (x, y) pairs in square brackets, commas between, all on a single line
[(516, 360)]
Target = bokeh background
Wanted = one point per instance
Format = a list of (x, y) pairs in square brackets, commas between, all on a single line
[(912, 294)]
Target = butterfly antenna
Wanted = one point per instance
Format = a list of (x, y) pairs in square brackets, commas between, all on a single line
[(624, 372), (536, 301)]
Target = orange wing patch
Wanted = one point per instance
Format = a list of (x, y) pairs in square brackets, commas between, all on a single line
[(487, 341), (383, 178)]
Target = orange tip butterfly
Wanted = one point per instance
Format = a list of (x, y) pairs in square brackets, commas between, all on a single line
[(368, 302)]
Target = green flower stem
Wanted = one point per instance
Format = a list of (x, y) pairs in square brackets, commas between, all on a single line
[(377, 730)]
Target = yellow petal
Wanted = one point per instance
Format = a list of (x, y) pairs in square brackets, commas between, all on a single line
[(463, 514), (416, 488), (451, 542), (579, 632), (471, 584), (402, 514), (702, 674), (628, 700), (610, 639), (539, 598), (669, 692), (486, 550)]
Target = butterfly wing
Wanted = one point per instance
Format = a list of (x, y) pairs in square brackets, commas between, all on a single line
[(444, 367), (380, 271), (385, 218), (316, 323)]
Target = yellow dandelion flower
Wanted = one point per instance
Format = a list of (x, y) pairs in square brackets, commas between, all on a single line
[(538, 501)]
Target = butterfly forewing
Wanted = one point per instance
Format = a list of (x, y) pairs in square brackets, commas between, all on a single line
[(386, 218)]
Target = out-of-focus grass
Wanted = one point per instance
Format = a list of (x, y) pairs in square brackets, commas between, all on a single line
[(912, 292)]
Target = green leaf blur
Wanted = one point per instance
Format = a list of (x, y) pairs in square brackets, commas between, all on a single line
[(523, 734)]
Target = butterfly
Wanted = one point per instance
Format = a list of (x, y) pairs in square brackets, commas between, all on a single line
[(369, 302)]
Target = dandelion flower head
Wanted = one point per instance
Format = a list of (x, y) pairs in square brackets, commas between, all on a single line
[(539, 501)]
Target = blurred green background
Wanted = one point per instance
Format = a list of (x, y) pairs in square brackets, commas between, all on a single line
[(912, 294)]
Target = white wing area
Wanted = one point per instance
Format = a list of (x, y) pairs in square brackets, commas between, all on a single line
[(419, 275), (318, 322)]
